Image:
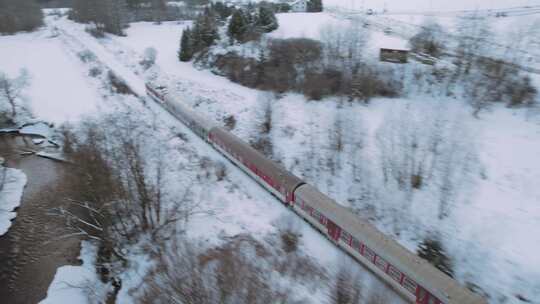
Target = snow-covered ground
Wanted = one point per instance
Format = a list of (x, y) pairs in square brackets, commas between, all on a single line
[(12, 182), (58, 91), (75, 284), (486, 233)]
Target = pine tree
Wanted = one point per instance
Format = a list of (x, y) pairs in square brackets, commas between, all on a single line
[(266, 19), (208, 28), (186, 46), (237, 26)]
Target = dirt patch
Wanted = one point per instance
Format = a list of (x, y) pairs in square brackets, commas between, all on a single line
[(29, 254)]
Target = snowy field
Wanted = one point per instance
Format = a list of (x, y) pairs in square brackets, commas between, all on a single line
[(428, 5), (11, 191), (487, 233), (58, 91)]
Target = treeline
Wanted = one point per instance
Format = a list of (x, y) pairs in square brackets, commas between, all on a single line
[(19, 15), (113, 16), (244, 25), (297, 65), (314, 6), (105, 15), (336, 65)]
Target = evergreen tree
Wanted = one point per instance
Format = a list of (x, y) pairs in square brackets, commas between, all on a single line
[(238, 26), (208, 28), (204, 32), (186, 46), (314, 6), (266, 19), (223, 11)]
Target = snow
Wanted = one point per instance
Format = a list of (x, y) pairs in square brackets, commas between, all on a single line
[(58, 92), (10, 195), (306, 25), (504, 204), (75, 284), (490, 234), (40, 129), (428, 5)]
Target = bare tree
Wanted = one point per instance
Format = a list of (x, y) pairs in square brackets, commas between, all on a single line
[(429, 39), (159, 10), (472, 33), (346, 288), (263, 141), (225, 274), (11, 90), (424, 148)]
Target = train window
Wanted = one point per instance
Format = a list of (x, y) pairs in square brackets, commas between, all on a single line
[(410, 285), (356, 244), (345, 236), (322, 219), (381, 263), (369, 254), (394, 273)]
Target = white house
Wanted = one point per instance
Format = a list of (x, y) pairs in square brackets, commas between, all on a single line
[(299, 6)]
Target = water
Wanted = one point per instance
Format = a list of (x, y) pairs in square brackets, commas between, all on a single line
[(29, 256)]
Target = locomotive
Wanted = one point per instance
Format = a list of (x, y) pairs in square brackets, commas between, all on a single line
[(414, 278)]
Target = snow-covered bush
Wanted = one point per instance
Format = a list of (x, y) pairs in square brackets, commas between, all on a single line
[(428, 40), (149, 58)]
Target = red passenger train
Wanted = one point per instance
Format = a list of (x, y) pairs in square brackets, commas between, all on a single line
[(416, 279)]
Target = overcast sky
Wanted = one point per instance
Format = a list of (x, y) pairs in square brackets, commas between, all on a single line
[(431, 4)]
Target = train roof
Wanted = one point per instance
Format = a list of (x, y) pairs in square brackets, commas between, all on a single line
[(425, 274), (252, 156)]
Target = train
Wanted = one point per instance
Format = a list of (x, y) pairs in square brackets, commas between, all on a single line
[(414, 278)]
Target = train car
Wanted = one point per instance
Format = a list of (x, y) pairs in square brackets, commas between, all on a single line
[(413, 277), (190, 118), (273, 177)]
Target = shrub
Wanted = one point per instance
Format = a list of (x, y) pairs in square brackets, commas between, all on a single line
[(432, 251), (428, 40)]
